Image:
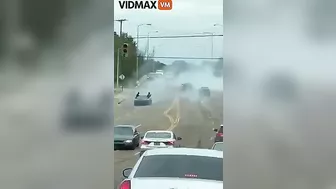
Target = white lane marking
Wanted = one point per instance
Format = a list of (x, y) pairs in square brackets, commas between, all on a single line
[(137, 153), (138, 126), (211, 138)]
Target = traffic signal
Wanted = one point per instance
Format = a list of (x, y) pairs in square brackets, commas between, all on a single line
[(125, 50)]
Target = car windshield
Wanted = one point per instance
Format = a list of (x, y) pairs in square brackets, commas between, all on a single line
[(181, 166), (158, 135), (218, 146), (123, 131)]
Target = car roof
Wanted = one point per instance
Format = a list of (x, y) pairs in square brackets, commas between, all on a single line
[(159, 131), (131, 126), (184, 151)]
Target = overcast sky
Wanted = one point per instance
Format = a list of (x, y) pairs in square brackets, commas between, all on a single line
[(187, 17)]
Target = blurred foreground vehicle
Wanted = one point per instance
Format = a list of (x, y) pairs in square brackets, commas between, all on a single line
[(143, 100), (79, 113), (126, 137), (219, 134), (159, 139), (186, 87), (218, 146), (204, 92), (176, 168)]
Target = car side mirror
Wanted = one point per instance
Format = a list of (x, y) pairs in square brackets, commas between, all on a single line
[(126, 172), (179, 138), (216, 130)]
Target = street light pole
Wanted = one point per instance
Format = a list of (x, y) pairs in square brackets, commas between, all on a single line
[(137, 50), (148, 48), (212, 42)]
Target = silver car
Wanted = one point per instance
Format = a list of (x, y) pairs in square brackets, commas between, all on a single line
[(159, 139), (143, 100), (168, 168)]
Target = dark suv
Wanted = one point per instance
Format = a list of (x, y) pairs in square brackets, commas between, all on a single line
[(219, 134)]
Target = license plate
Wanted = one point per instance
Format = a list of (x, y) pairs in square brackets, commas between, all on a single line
[(156, 143)]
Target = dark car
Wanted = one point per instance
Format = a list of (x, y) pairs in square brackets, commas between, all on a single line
[(219, 134), (126, 137), (186, 86), (79, 113), (204, 92), (143, 100)]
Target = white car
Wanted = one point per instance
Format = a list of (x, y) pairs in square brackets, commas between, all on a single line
[(159, 139), (218, 146), (176, 168)]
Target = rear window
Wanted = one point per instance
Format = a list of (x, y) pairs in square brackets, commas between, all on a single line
[(221, 129), (123, 131), (158, 135), (181, 166)]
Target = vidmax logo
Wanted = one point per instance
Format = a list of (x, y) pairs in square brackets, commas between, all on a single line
[(159, 4)]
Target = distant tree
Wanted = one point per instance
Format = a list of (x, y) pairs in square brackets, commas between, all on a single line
[(127, 65), (179, 66)]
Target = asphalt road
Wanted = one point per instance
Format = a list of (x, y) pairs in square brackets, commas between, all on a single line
[(189, 119)]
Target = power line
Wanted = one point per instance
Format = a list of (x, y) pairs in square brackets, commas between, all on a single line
[(181, 36), (190, 58)]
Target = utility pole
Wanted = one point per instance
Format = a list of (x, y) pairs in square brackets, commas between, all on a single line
[(118, 56), (153, 53), (121, 24), (137, 54)]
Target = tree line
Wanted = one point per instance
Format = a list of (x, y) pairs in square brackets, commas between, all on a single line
[(127, 65)]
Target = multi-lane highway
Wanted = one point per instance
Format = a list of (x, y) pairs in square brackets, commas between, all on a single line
[(186, 117)]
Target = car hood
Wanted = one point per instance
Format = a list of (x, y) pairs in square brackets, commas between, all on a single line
[(175, 183), (122, 137)]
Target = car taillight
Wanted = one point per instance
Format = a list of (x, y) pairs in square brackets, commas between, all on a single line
[(170, 143), (126, 184), (220, 134), (144, 142)]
